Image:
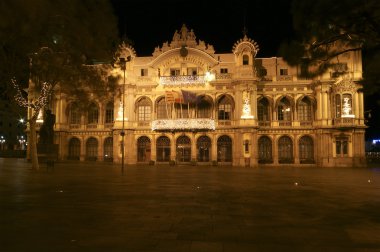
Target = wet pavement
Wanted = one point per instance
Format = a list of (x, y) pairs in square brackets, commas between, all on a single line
[(93, 207)]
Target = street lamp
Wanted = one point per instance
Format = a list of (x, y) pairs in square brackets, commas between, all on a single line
[(22, 141), (2, 141), (123, 64)]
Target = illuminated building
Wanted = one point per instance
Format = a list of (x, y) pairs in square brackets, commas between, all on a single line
[(248, 111)]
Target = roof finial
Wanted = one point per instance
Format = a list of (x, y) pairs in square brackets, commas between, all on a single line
[(245, 30)]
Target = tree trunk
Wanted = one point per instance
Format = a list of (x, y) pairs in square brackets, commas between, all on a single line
[(33, 144)]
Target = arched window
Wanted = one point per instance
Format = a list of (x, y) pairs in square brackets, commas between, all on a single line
[(92, 114), (74, 114), (263, 110), (245, 59), (204, 108), (183, 149), (285, 150), (144, 110), (338, 108), (108, 149), (284, 110), (306, 150), (304, 110), (265, 150), (109, 113), (74, 148), (225, 108), (92, 149), (163, 109), (143, 149), (224, 149), (347, 105), (163, 149), (204, 149)]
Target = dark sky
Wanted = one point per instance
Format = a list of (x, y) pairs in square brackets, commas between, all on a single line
[(220, 23)]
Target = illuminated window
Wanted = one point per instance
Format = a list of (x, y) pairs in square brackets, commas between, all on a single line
[(284, 110), (343, 105)]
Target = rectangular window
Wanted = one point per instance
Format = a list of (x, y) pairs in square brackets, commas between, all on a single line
[(109, 116), (174, 72), (342, 146), (192, 71), (283, 71), (144, 72), (338, 106), (224, 70), (246, 146), (224, 112), (144, 113)]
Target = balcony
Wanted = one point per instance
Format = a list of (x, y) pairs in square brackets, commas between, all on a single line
[(183, 124), (264, 123), (344, 122), (180, 80)]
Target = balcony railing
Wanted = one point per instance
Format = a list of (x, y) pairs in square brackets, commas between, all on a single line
[(344, 122), (264, 123), (285, 123), (306, 123), (179, 80), (183, 124)]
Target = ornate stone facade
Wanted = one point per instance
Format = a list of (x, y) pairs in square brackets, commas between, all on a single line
[(248, 111)]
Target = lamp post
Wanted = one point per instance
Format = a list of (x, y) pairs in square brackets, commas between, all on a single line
[(122, 133), (2, 141)]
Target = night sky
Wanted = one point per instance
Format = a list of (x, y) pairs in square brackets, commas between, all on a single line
[(150, 23), (268, 22)]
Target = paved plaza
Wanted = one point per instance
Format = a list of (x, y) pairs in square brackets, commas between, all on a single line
[(93, 207)]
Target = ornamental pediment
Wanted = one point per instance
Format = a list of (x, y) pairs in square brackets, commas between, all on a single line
[(344, 85), (183, 38), (184, 55)]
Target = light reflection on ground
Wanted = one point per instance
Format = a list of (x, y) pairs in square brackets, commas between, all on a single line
[(92, 207)]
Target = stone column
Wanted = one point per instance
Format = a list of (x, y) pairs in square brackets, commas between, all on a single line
[(193, 147), (296, 149), (82, 156), (100, 148), (153, 153), (275, 150)]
